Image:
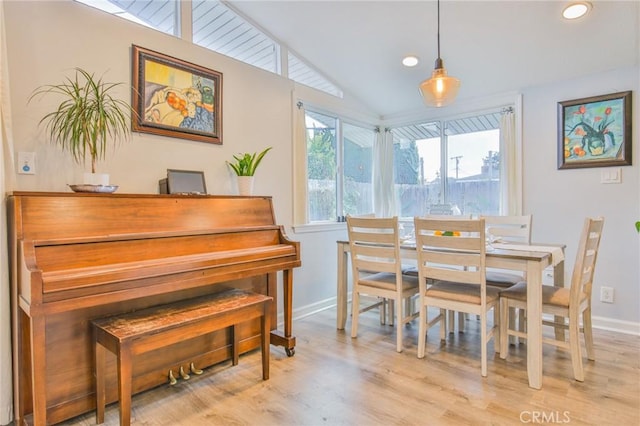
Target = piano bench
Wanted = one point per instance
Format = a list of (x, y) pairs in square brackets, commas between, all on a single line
[(134, 333)]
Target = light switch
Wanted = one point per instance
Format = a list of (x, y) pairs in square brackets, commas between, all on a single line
[(611, 175), (27, 163)]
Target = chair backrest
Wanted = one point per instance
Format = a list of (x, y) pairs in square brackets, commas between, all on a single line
[(451, 250), (509, 229), (374, 245), (584, 267)]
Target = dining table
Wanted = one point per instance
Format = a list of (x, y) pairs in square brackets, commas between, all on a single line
[(532, 259)]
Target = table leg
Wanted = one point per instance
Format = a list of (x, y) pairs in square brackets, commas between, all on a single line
[(534, 324), (342, 286)]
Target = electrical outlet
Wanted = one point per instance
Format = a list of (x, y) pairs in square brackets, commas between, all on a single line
[(606, 294)]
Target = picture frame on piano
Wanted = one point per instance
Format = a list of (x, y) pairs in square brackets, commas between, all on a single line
[(187, 182), (175, 98)]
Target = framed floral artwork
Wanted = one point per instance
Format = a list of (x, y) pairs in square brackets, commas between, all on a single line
[(175, 98), (595, 131)]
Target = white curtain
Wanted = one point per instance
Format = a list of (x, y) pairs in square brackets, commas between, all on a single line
[(383, 201), (508, 168), (300, 190), (6, 184)]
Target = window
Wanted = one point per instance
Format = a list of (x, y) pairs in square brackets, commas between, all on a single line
[(303, 74), (446, 167), (339, 167), (161, 15), (219, 28)]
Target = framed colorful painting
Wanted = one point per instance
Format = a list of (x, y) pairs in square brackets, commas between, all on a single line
[(595, 131), (175, 98)]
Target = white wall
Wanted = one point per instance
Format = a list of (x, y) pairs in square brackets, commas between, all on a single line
[(47, 39), (560, 199)]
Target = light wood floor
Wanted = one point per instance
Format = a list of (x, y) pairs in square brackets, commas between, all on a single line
[(336, 380)]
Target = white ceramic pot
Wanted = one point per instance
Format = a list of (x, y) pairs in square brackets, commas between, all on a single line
[(245, 185), (96, 179)]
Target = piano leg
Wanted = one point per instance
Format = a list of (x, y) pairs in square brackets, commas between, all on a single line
[(38, 370), (277, 338)]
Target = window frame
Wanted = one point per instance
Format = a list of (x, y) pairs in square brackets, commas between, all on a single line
[(442, 119), (341, 120)]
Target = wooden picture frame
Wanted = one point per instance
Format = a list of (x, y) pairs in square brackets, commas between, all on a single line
[(595, 131), (175, 98)]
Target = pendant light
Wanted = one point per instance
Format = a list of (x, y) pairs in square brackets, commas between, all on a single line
[(440, 89)]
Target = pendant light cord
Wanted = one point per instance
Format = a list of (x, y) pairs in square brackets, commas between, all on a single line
[(438, 29)]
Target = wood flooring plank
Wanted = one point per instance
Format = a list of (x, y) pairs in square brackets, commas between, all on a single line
[(336, 380)]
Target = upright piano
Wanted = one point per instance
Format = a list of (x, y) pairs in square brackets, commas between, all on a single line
[(77, 257)]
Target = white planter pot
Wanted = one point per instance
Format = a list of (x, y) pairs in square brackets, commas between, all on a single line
[(96, 179), (245, 185)]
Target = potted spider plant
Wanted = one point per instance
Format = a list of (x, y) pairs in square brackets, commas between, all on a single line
[(245, 166), (86, 122)]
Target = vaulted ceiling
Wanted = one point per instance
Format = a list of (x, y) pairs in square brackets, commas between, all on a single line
[(493, 47)]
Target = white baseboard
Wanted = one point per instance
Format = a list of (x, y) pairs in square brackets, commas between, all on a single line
[(311, 309), (626, 327), (6, 414), (601, 323)]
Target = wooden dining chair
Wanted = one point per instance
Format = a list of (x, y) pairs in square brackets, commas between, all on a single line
[(413, 270), (507, 229), (570, 303), (377, 269), (456, 267)]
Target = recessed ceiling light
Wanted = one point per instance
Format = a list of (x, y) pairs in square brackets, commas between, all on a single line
[(410, 61), (576, 10)]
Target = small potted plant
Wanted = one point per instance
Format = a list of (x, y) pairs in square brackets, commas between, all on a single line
[(86, 122), (245, 166)]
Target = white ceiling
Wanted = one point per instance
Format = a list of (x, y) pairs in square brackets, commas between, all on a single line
[(493, 47)]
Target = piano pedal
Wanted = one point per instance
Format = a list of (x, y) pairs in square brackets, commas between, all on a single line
[(184, 375), (172, 379), (194, 370)]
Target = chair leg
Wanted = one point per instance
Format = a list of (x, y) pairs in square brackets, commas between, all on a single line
[(574, 345), (483, 342), (408, 306), (451, 321), (399, 326), (512, 320), (355, 312), (588, 334), (443, 324), (422, 330), (461, 321), (496, 328), (522, 322), (504, 327)]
